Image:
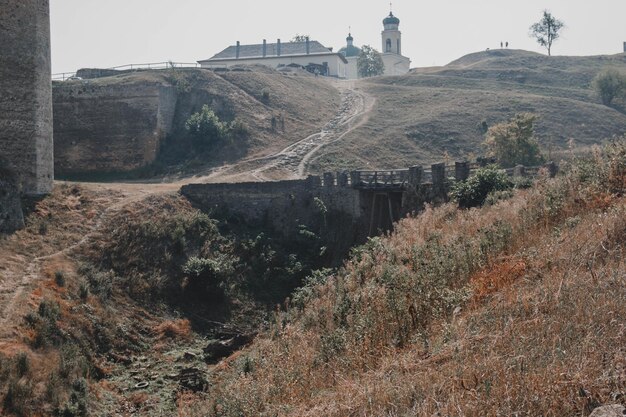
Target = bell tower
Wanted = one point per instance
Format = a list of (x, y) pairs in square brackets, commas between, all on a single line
[(391, 35)]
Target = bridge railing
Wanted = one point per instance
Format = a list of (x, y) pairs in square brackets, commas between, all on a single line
[(437, 175), (376, 179)]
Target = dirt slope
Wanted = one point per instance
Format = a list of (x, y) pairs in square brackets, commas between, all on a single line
[(432, 111)]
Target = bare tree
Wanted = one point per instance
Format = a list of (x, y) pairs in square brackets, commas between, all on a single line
[(299, 38), (546, 31)]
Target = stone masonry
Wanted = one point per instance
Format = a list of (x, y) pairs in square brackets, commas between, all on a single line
[(115, 127), (26, 93)]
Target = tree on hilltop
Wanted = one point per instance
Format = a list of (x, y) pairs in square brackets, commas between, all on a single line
[(370, 62), (547, 30)]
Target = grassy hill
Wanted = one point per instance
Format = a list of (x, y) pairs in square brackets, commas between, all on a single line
[(422, 115)]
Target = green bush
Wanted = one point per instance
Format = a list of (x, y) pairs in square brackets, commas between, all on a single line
[(609, 85), (514, 142), (205, 127), (474, 191), (208, 276)]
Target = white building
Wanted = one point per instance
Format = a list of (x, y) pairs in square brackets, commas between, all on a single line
[(311, 55), (395, 62)]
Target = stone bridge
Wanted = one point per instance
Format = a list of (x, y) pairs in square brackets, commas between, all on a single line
[(362, 203)]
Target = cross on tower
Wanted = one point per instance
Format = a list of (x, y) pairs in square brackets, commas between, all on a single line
[(391, 7)]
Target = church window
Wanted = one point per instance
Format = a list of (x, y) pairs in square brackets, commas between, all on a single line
[(388, 49)]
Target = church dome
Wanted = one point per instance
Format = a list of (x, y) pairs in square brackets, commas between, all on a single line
[(391, 20), (350, 50)]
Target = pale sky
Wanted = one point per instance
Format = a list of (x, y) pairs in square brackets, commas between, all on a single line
[(107, 33)]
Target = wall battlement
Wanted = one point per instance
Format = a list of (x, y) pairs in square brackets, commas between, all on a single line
[(367, 201), (26, 93)]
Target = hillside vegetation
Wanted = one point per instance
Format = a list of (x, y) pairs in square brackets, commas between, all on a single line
[(422, 116), (142, 305), (514, 309)]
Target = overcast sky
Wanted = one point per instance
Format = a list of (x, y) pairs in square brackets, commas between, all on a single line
[(107, 33)]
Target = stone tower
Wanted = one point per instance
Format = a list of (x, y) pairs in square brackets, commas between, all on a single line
[(392, 37), (26, 93)]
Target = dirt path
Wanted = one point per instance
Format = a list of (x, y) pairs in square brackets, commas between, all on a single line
[(292, 161)]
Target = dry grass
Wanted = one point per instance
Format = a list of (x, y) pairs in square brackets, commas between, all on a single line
[(174, 330), (422, 115), (522, 314)]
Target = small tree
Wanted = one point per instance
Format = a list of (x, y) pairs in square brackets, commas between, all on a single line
[(609, 85), (370, 63), (513, 142), (299, 38), (205, 126), (547, 30)]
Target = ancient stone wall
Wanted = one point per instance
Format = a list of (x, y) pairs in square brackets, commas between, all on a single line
[(286, 205), (282, 205), (112, 127), (11, 217), (25, 92)]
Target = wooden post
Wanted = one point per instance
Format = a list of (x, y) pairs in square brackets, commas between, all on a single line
[(342, 179), (355, 178), (461, 170), (415, 176), (329, 179)]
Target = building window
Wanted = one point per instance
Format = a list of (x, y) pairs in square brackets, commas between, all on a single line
[(388, 49), (398, 47)]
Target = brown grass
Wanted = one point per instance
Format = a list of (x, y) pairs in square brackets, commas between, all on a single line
[(173, 330), (422, 116), (543, 337)]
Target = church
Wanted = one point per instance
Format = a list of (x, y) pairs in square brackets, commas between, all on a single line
[(395, 62), (315, 57)]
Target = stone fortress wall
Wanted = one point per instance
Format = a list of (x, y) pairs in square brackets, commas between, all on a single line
[(26, 93), (87, 140)]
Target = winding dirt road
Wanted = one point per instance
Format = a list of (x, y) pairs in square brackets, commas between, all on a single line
[(292, 161)]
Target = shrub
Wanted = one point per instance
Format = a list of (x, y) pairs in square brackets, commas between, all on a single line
[(208, 275), (265, 96), (59, 278), (19, 393), (514, 143), (609, 85), (100, 283), (22, 364), (474, 191), (205, 127)]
